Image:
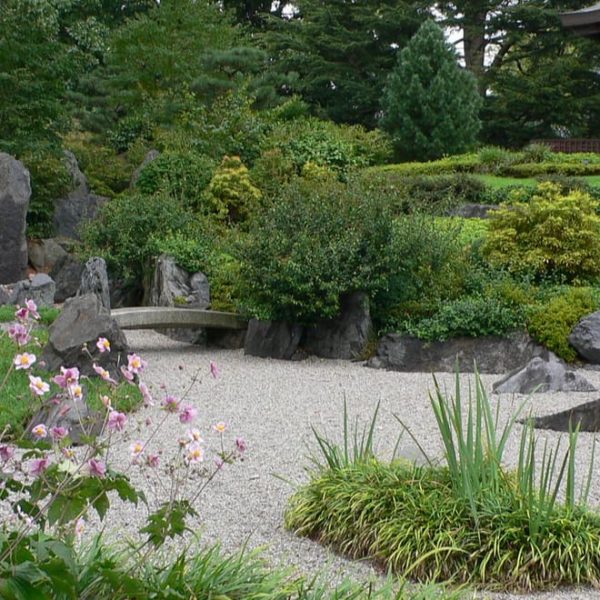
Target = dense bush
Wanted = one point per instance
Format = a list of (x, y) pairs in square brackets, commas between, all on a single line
[(460, 163), (124, 229), (338, 147), (183, 175), (318, 241), (470, 316), (544, 168), (231, 194), (552, 321), (431, 193), (553, 235)]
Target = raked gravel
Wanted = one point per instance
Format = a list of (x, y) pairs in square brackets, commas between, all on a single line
[(273, 404)]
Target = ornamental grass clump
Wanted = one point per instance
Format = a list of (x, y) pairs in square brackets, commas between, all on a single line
[(468, 521)]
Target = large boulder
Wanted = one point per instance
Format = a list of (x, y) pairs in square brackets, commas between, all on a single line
[(41, 289), (44, 254), (586, 416), (473, 211), (173, 286), (491, 354), (272, 339), (585, 337), (345, 336), (543, 374), (66, 273), (79, 206), (15, 191), (94, 280), (73, 336)]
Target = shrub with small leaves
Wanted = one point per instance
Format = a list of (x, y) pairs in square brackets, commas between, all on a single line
[(553, 236)]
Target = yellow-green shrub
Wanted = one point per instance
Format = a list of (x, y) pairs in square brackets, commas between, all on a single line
[(551, 322), (230, 192), (554, 235)]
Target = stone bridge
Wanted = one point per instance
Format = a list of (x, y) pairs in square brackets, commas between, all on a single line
[(157, 317)]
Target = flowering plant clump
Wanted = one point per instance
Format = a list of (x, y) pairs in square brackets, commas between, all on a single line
[(52, 487)]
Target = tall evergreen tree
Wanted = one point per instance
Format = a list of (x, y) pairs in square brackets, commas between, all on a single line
[(430, 103), (337, 54)]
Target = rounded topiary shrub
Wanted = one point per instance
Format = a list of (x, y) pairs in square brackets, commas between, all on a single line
[(554, 235)]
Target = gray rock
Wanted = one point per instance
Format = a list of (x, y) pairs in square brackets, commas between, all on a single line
[(586, 416), (173, 286), (44, 254), (585, 337), (94, 280), (492, 354), (67, 277), (75, 416), (40, 289), (347, 335), (473, 211), (15, 191), (150, 156), (4, 295), (81, 322), (227, 339), (543, 374), (272, 339), (79, 206)]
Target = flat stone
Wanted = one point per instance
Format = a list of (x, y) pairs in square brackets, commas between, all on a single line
[(473, 211), (543, 374), (41, 289), (491, 354), (587, 416)]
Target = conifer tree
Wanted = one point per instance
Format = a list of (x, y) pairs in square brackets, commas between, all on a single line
[(430, 103)]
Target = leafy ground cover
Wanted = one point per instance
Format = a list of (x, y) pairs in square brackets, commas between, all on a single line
[(47, 315), (469, 521)]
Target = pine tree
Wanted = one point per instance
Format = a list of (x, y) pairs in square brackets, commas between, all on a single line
[(430, 103)]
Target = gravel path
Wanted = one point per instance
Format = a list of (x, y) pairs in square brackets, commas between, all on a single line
[(272, 404)]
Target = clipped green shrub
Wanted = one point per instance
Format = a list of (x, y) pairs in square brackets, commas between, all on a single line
[(319, 240), (460, 163), (231, 194), (551, 322), (553, 236), (545, 168), (494, 160), (182, 175), (471, 316)]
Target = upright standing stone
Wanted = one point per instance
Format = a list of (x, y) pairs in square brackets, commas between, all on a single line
[(15, 191), (94, 280)]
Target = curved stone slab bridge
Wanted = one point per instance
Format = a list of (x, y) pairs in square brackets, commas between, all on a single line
[(157, 317)]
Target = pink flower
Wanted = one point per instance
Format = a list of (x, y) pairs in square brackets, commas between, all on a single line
[(18, 333), (240, 444), (24, 361), (135, 364), (31, 307), (40, 431), (76, 391), (136, 449), (58, 433), (106, 401), (127, 374), (195, 453), (116, 420), (104, 374), (97, 468), (188, 414), (6, 453), (103, 345), (194, 435), (145, 394), (219, 462), (67, 377), (153, 460), (22, 314), (37, 386), (171, 404), (148, 422), (39, 465), (220, 427), (214, 370)]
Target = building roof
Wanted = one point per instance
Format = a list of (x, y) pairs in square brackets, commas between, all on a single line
[(583, 22)]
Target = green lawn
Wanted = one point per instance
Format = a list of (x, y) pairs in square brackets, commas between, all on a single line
[(47, 315)]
